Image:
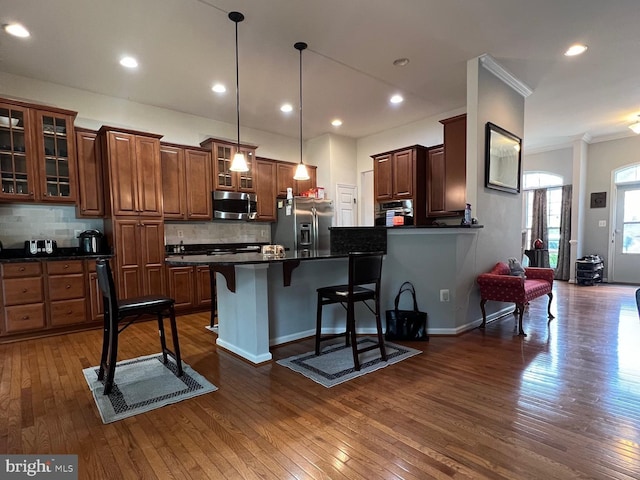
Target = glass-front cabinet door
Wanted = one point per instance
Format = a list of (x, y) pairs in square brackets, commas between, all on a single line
[(223, 155), (56, 156), (15, 156), (245, 179)]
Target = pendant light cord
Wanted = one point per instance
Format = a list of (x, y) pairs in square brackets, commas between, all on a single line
[(237, 88), (301, 105)]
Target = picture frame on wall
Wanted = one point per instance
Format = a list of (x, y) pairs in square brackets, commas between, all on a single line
[(503, 159)]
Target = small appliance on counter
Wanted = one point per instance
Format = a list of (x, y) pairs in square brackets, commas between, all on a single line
[(40, 247), (91, 241)]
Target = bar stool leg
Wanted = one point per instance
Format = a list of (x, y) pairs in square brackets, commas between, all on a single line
[(112, 359), (351, 332), (176, 343), (318, 322), (383, 351), (163, 341)]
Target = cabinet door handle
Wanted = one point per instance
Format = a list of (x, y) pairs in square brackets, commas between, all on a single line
[(26, 317), (384, 160), (67, 286), (22, 269), (24, 290), (66, 265), (69, 312)]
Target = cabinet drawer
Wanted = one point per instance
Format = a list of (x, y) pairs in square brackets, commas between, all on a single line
[(27, 317), (26, 269), (65, 287), (21, 291), (61, 268), (68, 312)]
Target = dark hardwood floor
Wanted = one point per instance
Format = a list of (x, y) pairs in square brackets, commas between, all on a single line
[(562, 403)]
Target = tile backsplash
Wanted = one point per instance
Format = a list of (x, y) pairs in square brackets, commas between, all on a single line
[(221, 231), (19, 222)]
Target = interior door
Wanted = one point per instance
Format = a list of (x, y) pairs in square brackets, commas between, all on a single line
[(626, 235), (346, 213)]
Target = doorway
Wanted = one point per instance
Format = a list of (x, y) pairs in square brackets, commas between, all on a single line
[(346, 208), (626, 234)]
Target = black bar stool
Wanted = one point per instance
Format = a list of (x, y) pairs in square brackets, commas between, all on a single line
[(365, 268), (117, 310)]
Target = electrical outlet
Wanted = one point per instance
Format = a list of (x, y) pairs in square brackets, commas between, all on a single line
[(76, 233), (444, 295), (180, 234)]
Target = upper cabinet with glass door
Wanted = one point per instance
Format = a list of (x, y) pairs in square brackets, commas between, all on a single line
[(56, 156), (16, 158), (37, 153), (222, 153)]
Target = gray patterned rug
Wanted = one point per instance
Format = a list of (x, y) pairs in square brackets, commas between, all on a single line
[(334, 365), (143, 384)]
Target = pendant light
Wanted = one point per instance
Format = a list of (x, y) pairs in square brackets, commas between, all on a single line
[(239, 163), (301, 170), (636, 126)]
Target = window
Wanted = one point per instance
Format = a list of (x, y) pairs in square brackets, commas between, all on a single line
[(628, 175), (553, 184)]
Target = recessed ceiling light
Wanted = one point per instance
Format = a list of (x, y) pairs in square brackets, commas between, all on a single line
[(219, 88), (576, 49), (396, 99), (128, 62), (336, 122), (401, 62), (286, 107), (16, 30)]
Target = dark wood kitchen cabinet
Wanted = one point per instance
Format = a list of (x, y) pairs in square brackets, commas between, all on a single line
[(222, 152), (400, 174), (186, 182), (284, 179), (455, 163), (139, 255), (266, 190), (37, 153), (133, 180), (23, 297), (90, 178), (190, 287), (66, 283), (436, 204)]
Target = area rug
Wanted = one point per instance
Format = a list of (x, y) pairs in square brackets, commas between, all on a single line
[(334, 365), (143, 384)]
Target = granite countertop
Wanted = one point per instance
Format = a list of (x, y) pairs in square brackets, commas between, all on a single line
[(13, 255), (250, 258)]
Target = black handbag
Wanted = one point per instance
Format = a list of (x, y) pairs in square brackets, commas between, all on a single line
[(406, 324)]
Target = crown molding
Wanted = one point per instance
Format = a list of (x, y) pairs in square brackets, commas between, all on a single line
[(490, 64)]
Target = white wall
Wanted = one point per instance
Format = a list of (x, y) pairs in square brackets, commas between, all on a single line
[(96, 110), (558, 161)]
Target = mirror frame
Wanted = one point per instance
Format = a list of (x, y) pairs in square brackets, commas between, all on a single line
[(493, 163)]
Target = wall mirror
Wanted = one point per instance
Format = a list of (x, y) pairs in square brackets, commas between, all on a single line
[(502, 159)]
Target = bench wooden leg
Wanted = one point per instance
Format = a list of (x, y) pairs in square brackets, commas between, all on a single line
[(520, 309), (484, 313), (549, 306)]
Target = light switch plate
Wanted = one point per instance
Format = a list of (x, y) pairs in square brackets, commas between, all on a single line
[(602, 223)]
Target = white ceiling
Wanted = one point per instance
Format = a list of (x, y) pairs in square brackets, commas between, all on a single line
[(184, 46)]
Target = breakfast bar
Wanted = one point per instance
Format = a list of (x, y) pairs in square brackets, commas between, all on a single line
[(261, 304)]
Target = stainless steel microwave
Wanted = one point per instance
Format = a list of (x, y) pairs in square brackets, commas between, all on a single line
[(234, 205)]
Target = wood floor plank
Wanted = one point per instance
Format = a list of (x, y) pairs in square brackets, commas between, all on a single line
[(561, 403)]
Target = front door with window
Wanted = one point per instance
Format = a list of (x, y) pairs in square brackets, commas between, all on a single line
[(626, 235)]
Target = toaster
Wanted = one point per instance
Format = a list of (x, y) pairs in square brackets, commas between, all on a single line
[(40, 247)]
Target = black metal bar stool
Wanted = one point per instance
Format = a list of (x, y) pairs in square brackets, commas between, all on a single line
[(365, 268), (117, 310)]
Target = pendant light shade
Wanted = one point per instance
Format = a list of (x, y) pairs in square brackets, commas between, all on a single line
[(239, 163), (301, 170), (635, 126)]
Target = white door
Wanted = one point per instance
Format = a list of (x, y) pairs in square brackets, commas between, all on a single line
[(626, 235), (346, 208)]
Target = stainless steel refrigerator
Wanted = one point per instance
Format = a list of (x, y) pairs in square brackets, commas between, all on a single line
[(303, 224)]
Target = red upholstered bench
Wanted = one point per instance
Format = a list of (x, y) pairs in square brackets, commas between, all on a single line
[(499, 285)]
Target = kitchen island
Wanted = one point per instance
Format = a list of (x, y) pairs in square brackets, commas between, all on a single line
[(270, 301), (264, 300)]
